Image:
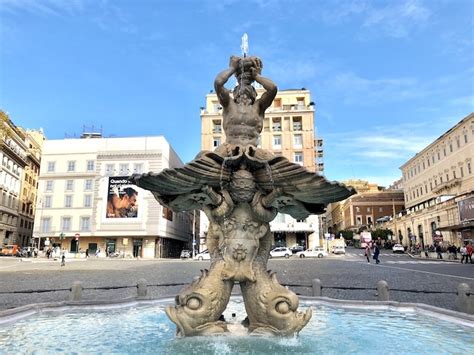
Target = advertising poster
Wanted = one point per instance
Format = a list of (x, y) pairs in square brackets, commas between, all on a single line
[(122, 198)]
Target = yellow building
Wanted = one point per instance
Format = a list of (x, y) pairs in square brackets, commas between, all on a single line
[(438, 183), (288, 131), (29, 186), (288, 128)]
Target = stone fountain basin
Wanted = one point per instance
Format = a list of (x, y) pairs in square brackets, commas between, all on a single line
[(141, 326)]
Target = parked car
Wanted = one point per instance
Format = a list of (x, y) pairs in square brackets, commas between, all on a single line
[(281, 252), (10, 250), (338, 249), (398, 248), (315, 252), (185, 254), (296, 248), (203, 255)]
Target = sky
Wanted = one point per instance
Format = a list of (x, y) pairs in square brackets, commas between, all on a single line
[(387, 77)]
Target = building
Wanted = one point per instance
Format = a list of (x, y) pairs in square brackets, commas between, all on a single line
[(371, 204), (88, 202), (438, 185), (29, 186), (13, 156), (288, 130)]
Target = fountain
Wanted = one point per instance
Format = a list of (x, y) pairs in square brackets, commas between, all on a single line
[(241, 188)]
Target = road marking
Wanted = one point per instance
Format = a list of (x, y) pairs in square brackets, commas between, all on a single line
[(422, 271)]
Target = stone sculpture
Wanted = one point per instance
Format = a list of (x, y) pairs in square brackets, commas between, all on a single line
[(241, 188)]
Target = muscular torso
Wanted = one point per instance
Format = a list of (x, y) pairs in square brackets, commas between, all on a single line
[(242, 123)]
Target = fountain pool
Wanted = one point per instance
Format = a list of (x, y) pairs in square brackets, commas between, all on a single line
[(144, 328)]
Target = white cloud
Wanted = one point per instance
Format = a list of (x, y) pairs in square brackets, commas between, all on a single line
[(395, 19), (43, 7)]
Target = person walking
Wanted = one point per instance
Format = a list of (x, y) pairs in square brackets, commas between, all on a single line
[(469, 250), (87, 253), (439, 251), (376, 253), (63, 257), (463, 254), (367, 252)]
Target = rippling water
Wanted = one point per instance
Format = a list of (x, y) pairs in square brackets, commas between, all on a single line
[(147, 330)]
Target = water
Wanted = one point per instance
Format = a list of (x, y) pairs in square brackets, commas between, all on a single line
[(146, 330)]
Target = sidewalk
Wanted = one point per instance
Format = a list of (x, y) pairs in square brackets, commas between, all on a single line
[(433, 257)]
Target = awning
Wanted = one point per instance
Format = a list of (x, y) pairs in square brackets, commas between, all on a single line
[(457, 227)]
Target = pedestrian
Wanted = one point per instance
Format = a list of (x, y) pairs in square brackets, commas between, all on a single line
[(87, 253), (97, 252), (439, 251), (376, 253), (464, 254), (63, 257), (367, 252), (469, 252)]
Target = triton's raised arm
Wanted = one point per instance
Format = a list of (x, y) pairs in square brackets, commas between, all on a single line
[(271, 90), (222, 78)]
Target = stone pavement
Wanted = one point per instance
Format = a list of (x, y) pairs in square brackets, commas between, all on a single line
[(40, 274)]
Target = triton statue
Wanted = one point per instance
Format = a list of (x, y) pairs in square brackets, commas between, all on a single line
[(241, 188)]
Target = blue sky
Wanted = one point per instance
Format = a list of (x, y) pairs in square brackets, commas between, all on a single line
[(387, 77)]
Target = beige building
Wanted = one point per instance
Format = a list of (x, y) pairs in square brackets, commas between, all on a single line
[(438, 186), (29, 186), (13, 156), (288, 130), (88, 203), (371, 204)]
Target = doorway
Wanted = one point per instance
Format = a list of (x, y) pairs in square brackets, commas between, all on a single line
[(137, 248)]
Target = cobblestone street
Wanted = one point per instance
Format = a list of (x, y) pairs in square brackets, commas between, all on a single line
[(352, 271)]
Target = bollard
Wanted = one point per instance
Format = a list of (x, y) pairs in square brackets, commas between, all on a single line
[(141, 288), (382, 291), (464, 301), (76, 291), (317, 288)]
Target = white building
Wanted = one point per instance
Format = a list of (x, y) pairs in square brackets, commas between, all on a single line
[(79, 179)]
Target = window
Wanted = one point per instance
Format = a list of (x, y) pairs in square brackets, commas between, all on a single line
[(85, 224), (357, 209), (138, 168), (216, 141), (368, 209), (49, 185), (469, 168), (358, 220), (87, 200), (465, 138), (297, 125), (439, 156), (90, 165), (458, 143), (454, 174), (109, 169), (380, 209), (217, 128), (51, 166), (47, 201), (276, 141), (167, 214), (71, 166), (447, 177), (276, 126), (88, 184), (68, 201), (69, 185), (299, 158), (450, 147), (444, 151), (66, 224), (45, 224), (123, 169), (298, 140)]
